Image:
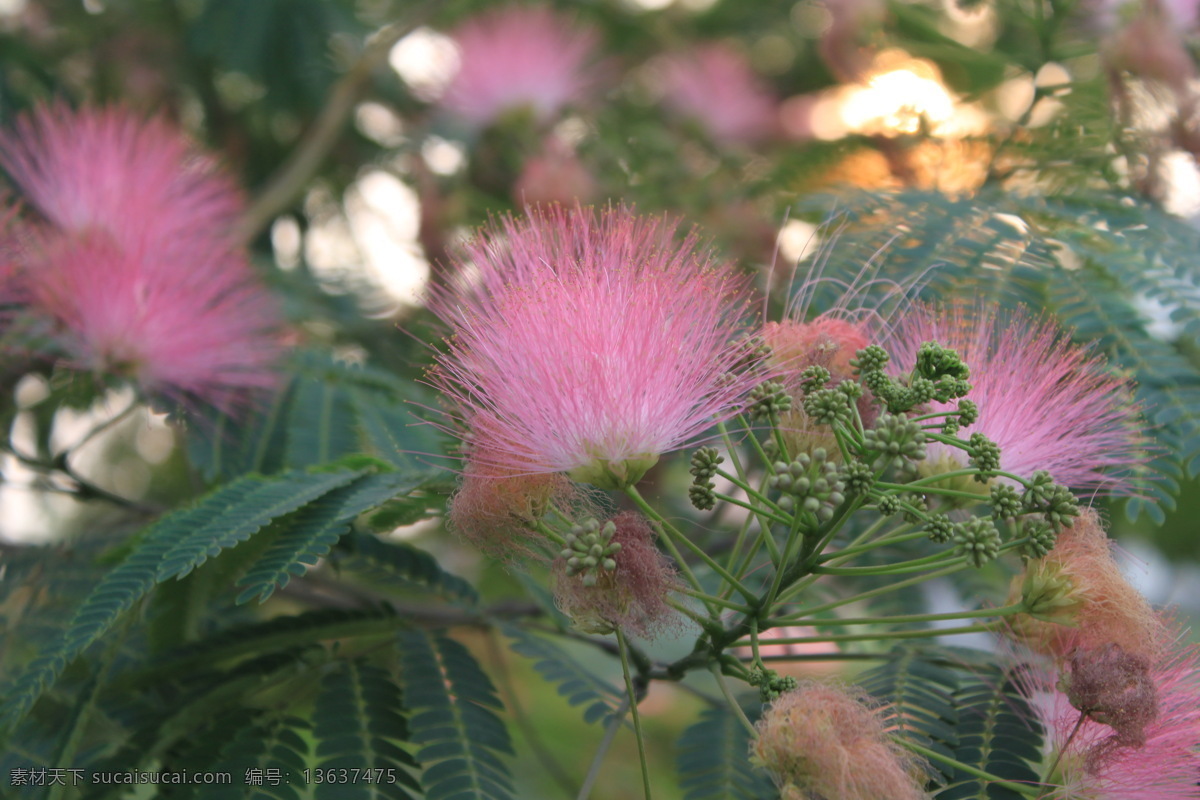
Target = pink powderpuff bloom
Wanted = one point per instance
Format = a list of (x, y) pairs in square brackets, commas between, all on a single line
[(132, 257), (519, 57), (1098, 765), (715, 85), (139, 180), (593, 341), (1049, 404)]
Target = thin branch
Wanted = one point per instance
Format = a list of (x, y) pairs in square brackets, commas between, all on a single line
[(295, 173)]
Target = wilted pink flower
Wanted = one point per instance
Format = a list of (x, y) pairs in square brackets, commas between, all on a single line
[(1049, 404), (715, 85), (1099, 764), (594, 342), (132, 258), (828, 742), (519, 57), (633, 596)]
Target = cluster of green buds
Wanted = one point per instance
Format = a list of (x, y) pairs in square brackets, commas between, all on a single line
[(704, 466), (939, 374), (895, 438), (589, 550), (810, 483), (768, 400), (770, 683)]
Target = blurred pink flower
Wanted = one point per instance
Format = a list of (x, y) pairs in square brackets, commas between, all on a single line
[(516, 57), (715, 85), (1097, 764), (593, 341), (1049, 404), (132, 256), (139, 180)]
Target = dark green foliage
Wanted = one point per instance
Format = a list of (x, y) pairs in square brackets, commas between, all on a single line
[(241, 515), (266, 757), (714, 760), (173, 546), (281, 44), (359, 725), (392, 565), (570, 678), (921, 694), (308, 537), (325, 410), (454, 720), (997, 733)]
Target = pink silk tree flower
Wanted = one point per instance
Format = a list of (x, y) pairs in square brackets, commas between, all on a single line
[(715, 85), (128, 250), (1096, 762), (1049, 404), (139, 180), (593, 342), (519, 57)]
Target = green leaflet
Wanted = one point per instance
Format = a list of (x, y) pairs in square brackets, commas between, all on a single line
[(391, 565), (359, 725), (714, 760), (325, 410), (453, 705), (569, 677), (171, 547), (309, 537), (997, 732)]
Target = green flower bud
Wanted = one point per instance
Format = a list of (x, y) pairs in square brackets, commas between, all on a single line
[(767, 400), (939, 528), (978, 540)]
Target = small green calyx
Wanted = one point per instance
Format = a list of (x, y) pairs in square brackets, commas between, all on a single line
[(589, 550), (613, 475), (872, 358), (1052, 500), (771, 684), (1042, 538), (978, 540), (1006, 501), (896, 437), (984, 456), (859, 477), (830, 406), (940, 528), (767, 400), (704, 466), (1050, 596), (810, 483), (935, 362), (814, 378)]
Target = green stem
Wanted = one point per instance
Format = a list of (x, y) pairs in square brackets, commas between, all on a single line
[(733, 703), (724, 498), (633, 710), (891, 587), (915, 565), (1003, 611), (671, 531), (610, 732), (864, 548), (1020, 788), (922, 633)]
